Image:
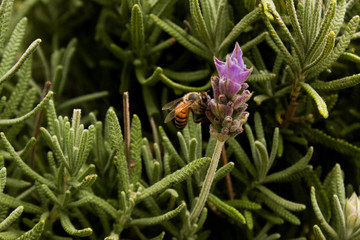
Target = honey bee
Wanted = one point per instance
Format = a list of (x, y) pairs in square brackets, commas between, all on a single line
[(196, 102)]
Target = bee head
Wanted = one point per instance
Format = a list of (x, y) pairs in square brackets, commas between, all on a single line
[(204, 97)]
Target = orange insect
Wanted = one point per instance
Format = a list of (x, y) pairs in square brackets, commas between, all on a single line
[(180, 108)]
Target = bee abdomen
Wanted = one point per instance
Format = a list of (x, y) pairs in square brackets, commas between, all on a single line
[(181, 119)]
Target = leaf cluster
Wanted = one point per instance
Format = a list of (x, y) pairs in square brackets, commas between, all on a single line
[(253, 174), (328, 201)]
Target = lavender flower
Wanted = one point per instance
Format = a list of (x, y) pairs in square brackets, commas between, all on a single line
[(226, 110)]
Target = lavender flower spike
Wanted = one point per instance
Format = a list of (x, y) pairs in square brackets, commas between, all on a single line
[(226, 112), (229, 92)]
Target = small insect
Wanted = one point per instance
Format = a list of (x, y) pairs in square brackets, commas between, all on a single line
[(196, 102)]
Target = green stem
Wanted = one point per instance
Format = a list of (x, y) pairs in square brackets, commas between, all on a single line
[(207, 182)]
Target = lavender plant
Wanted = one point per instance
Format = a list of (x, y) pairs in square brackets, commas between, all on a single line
[(138, 180), (191, 226), (226, 113), (338, 219), (305, 57), (7, 221), (253, 172), (21, 103)]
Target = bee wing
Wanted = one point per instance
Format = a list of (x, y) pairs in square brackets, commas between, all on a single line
[(172, 104), (170, 116), (179, 108)]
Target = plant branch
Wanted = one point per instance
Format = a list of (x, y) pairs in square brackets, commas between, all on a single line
[(295, 92)]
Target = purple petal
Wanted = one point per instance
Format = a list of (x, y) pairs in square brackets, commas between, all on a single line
[(238, 74), (234, 67), (222, 85), (220, 66), (232, 88), (237, 55)]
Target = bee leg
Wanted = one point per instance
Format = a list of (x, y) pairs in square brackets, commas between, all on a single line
[(198, 118)]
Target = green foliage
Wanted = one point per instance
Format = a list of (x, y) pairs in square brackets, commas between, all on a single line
[(60, 174), (340, 225), (253, 174), (7, 201), (308, 53)]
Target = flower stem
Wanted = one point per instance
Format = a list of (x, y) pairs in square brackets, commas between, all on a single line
[(207, 182)]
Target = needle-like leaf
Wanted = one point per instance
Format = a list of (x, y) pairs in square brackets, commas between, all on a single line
[(321, 105)]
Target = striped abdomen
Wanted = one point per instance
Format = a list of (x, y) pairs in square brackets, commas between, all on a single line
[(181, 117)]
